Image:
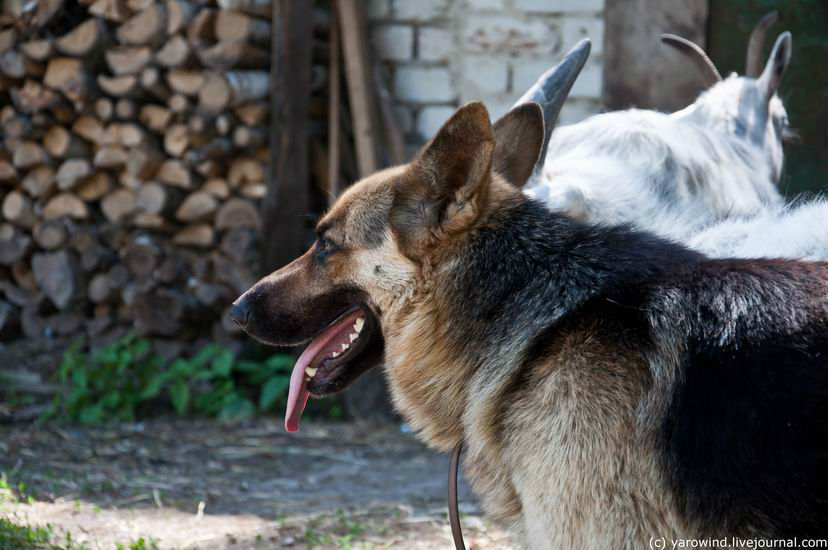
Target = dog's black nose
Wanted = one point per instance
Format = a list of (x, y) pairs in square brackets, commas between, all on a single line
[(240, 313)]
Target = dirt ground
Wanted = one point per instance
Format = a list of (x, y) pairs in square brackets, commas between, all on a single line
[(200, 484)]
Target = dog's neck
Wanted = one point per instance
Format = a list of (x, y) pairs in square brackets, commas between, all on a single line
[(519, 272)]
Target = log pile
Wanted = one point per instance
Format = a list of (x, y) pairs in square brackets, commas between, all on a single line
[(133, 162)]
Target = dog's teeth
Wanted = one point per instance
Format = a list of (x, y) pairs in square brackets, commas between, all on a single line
[(335, 354), (358, 324), (345, 346), (311, 372), (354, 336)]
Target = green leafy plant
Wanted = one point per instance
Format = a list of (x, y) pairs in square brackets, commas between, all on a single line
[(23, 536), (341, 530), (14, 493), (140, 544), (105, 384), (33, 537), (125, 380)]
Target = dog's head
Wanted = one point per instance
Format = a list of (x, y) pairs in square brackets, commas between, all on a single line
[(378, 244)]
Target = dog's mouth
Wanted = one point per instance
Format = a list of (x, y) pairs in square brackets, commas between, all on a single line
[(325, 365)]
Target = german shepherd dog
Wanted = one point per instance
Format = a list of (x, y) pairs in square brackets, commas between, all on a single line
[(610, 388)]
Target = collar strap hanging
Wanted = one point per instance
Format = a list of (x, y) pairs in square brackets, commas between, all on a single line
[(454, 512)]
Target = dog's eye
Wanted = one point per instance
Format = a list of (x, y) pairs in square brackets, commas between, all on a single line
[(324, 248)]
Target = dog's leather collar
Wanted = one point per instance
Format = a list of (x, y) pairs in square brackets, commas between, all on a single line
[(454, 512)]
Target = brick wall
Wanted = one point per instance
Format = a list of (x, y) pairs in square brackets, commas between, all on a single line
[(441, 53)]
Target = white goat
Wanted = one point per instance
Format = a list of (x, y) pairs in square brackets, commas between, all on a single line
[(671, 174), (797, 230), (677, 174), (704, 175)]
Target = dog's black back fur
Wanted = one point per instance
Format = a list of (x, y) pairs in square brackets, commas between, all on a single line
[(745, 441), (748, 430)]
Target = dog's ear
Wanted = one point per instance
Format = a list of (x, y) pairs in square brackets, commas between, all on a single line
[(443, 189), (518, 140)]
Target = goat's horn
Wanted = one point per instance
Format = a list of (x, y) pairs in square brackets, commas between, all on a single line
[(552, 89), (756, 43), (696, 54)]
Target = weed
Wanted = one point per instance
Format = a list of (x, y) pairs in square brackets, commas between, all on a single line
[(125, 380), (140, 544), (29, 537), (10, 492), (23, 536), (341, 530)]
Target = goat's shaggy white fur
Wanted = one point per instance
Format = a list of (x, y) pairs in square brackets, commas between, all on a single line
[(669, 175), (798, 231), (653, 170)]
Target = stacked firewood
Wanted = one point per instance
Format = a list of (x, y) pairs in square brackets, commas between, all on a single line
[(134, 158)]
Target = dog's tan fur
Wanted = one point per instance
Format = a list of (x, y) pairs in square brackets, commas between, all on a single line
[(544, 453), (579, 461)]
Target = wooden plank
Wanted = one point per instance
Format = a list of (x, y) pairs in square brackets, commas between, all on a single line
[(393, 135), (367, 400), (333, 110), (288, 193), (360, 86)]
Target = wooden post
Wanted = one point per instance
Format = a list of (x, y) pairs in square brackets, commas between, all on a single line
[(393, 135), (287, 199), (334, 91), (360, 84), (367, 399)]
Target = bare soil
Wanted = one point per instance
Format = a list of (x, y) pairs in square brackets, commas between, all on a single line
[(201, 484)]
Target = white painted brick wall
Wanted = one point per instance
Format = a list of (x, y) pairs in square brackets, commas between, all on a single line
[(434, 44), (441, 53), (576, 110), (484, 5), (424, 85), (394, 42), (484, 75), (574, 28), (430, 119), (589, 82), (493, 34), (526, 71), (559, 6), (421, 10)]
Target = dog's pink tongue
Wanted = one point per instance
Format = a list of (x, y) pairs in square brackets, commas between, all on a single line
[(298, 393)]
